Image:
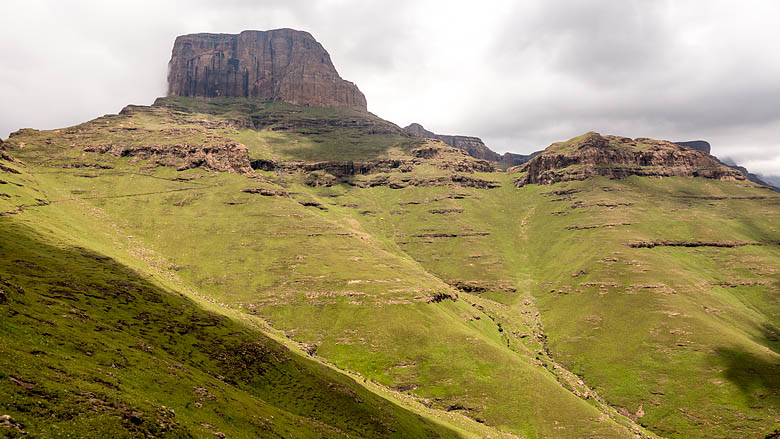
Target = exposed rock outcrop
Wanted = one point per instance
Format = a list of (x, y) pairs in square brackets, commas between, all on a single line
[(223, 155), (342, 170), (281, 64), (672, 243), (704, 146), (436, 154), (593, 155), (472, 145)]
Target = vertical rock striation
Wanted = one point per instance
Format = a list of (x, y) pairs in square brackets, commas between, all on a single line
[(281, 64)]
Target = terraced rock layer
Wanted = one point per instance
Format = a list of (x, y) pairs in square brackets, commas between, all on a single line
[(616, 157)]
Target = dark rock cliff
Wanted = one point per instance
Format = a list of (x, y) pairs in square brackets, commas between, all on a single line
[(282, 64), (699, 145)]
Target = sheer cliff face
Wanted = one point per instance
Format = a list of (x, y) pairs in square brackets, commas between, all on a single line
[(282, 64)]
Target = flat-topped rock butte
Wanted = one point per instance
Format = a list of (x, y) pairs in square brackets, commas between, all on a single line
[(282, 64)]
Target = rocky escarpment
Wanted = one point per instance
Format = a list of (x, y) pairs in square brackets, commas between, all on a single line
[(281, 64), (704, 146), (175, 143), (217, 155), (593, 155), (472, 145), (395, 173)]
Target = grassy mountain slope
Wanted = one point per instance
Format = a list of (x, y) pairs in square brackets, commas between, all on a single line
[(655, 328), (95, 347), (545, 311)]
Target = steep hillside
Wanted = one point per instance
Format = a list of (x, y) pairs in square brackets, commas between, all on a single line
[(624, 296), (101, 339)]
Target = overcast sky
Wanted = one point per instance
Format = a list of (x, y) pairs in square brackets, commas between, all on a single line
[(518, 74)]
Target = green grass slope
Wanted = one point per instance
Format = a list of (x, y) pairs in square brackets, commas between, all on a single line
[(92, 347), (282, 131), (348, 297), (582, 309), (681, 339)]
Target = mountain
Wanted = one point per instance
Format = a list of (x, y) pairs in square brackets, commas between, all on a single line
[(749, 175), (281, 64), (774, 180), (474, 146), (511, 159), (704, 146), (593, 155), (241, 267), (699, 145)]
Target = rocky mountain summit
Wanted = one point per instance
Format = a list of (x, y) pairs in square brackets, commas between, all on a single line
[(593, 155), (282, 64)]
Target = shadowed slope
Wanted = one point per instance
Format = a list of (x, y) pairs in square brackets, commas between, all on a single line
[(92, 349)]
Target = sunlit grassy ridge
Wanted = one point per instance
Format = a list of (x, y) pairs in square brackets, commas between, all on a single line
[(526, 309)]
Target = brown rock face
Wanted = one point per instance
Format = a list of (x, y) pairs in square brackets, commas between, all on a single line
[(593, 155), (472, 145), (224, 155), (281, 64)]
